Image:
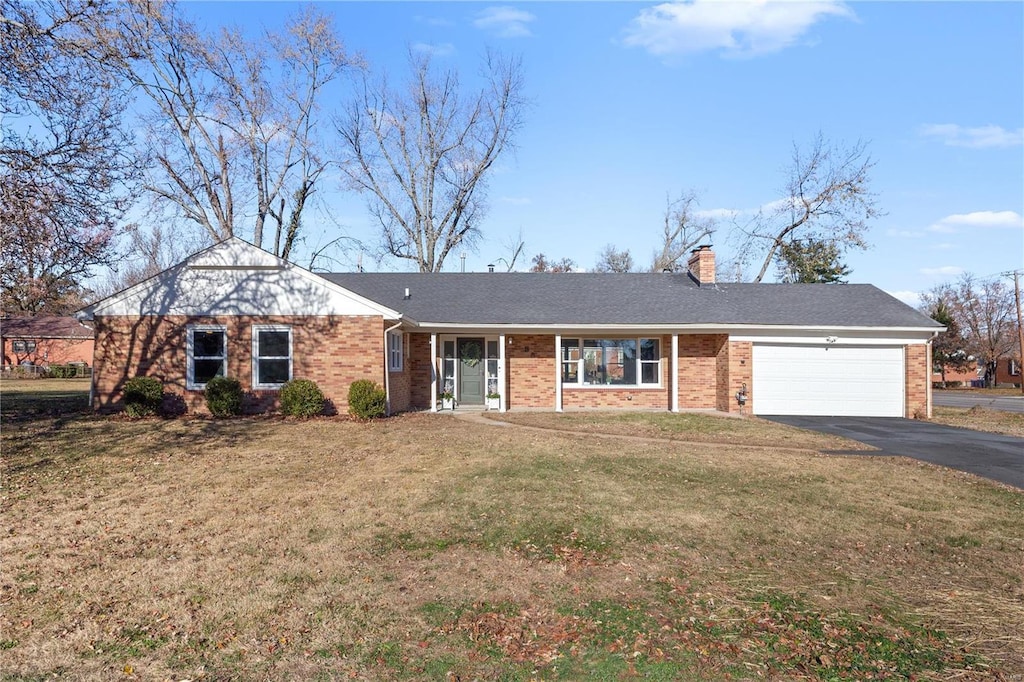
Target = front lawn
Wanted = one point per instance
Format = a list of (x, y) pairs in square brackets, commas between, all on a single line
[(21, 398), (980, 419), (424, 546)]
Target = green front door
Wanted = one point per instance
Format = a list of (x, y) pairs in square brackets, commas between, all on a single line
[(471, 371)]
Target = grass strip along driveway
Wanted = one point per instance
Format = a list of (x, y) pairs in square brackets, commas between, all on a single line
[(423, 546)]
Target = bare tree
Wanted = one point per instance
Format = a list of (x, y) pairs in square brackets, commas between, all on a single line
[(423, 155), (64, 168), (514, 247), (541, 264), (827, 198), (613, 260), (983, 311), (233, 132), (682, 230)]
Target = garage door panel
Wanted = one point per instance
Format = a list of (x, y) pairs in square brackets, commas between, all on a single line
[(828, 380)]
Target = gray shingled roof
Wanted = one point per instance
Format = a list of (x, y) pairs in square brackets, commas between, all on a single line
[(44, 327), (628, 299)]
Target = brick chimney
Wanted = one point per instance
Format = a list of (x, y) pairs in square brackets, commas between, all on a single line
[(702, 265)]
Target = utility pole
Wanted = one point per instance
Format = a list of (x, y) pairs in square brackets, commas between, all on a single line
[(1020, 329)]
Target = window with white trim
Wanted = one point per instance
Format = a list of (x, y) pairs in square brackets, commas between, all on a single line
[(1013, 367), (207, 354), (395, 351), (611, 362), (271, 356), (23, 346)]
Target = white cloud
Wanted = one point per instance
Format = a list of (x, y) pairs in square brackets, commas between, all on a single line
[(911, 298), (945, 271), (906, 234), (982, 137), (735, 28), (718, 213), (434, 50), (978, 219), (943, 246), (516, 201), (505, 22)]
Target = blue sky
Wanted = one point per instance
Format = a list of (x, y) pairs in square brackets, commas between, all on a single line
[(634, 101)]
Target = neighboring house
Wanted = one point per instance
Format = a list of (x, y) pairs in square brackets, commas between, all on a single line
[(1008, 372), (959, 377), (667, 341), (45, 340)]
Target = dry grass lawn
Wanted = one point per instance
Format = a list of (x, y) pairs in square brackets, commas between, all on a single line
[(980, 419), (427, 547)]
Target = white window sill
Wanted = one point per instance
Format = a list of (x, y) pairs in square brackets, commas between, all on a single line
[(620, 387)]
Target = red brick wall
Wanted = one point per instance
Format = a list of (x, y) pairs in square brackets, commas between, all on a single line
[(698, 365), (733, 369), (419, 369), (399, 388), (918, 362), (332, 351), (1003, 375), (50, 352), (531, 362)]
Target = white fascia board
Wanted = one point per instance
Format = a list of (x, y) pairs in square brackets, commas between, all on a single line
[(839, 336), (736, 332)]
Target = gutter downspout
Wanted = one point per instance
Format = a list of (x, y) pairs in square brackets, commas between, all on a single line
[(387, 365)]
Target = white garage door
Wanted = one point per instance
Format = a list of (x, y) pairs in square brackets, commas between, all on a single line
[(828, 380)]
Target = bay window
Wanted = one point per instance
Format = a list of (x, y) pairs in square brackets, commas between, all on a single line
[(611, 362)]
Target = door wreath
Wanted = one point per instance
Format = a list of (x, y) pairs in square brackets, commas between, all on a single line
[(472, 353)]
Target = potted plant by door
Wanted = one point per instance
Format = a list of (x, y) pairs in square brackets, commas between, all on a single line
[(447, 401), (493, 401)]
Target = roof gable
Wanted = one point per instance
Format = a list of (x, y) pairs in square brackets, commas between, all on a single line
[(233, 277)]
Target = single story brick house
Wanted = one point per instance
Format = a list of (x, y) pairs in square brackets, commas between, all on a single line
[(45, 340), (669, 341)]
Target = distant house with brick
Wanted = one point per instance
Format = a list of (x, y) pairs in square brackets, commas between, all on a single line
[(667, 341), (1008, 371), (45, 340)]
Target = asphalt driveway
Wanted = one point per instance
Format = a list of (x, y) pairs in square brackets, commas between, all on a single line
[(993, 456)]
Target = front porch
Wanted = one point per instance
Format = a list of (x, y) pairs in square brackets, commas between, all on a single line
[(584, 370)]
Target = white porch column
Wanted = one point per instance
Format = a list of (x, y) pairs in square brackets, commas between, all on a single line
[(675, 372), (558, 372), (503, 401), (433, 372)]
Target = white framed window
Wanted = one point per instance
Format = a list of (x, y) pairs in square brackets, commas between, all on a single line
[(1013, 368), (395, 351), (207, 348), (271, 355), (611, 362), (23, 346)]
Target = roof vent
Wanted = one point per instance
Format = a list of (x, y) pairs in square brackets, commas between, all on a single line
[(407, 294)]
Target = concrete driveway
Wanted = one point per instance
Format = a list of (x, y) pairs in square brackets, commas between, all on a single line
[(969, 399), (993, 456)]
